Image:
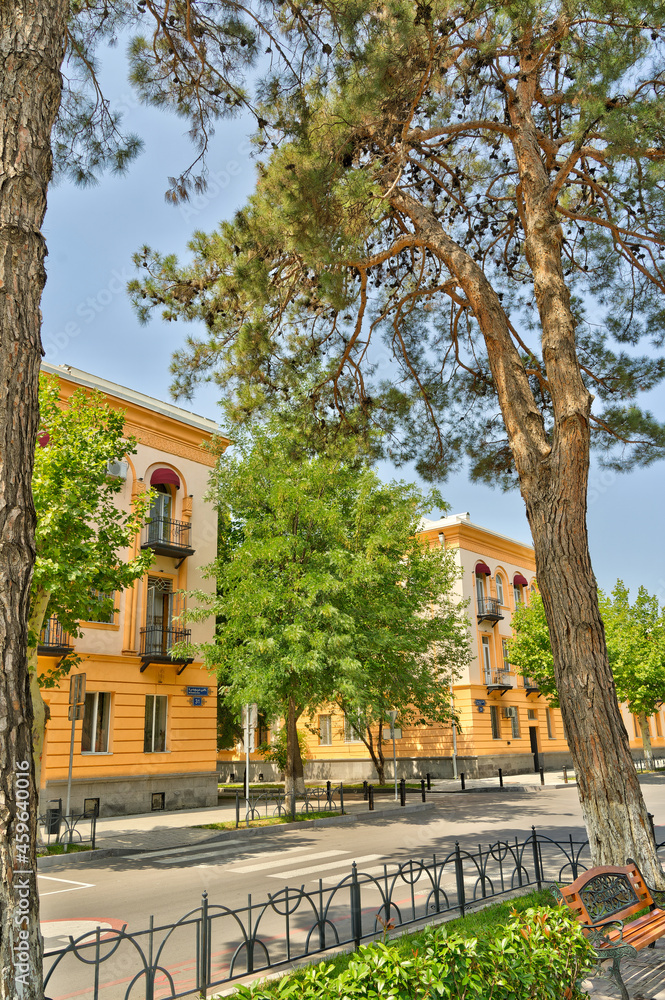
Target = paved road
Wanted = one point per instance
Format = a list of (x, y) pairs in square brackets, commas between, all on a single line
[(168, 882)]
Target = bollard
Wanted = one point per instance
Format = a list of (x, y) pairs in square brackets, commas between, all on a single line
[(461, 778), (364, 791), (237, 808), (341, 797), (542, 775), (422, 790), (500, 778), (370, 796), (328, 791), (565, 775), (402, 792), (429, 782)]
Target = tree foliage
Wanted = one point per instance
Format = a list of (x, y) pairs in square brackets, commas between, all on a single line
[(398, 167), (635, 644), (323, 590), (82, 532)]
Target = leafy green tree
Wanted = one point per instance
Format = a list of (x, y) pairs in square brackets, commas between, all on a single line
[(480, 183), (635, 644), (323, 587), (277, 752), (82, 533)]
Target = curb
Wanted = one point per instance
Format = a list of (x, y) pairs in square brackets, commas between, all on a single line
[(85, 858)]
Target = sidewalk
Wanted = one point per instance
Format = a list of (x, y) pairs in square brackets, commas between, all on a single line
[(644, 976), (528, 782), (151, 831)]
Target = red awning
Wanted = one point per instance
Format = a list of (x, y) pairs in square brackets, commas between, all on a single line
[(43, 439), (165, 476), (482, 569), (520, 581)]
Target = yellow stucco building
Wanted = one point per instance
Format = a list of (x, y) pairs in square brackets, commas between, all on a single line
[(148, 736)]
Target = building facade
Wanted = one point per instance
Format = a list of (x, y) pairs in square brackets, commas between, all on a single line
[(147, 739)]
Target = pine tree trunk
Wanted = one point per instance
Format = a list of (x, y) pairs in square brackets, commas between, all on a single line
[(31, 51), (294, 782), (613, 808), (646, 734)]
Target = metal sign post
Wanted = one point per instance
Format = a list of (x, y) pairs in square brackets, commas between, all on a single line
[(76, 709), (250, 713), (392, 714)]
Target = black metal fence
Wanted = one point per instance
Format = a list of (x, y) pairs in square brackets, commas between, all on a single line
[(272, 803), (650, 764), (75, 828), (213, 944)]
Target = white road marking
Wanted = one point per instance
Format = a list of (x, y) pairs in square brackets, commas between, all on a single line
[(333, 879), (69, 881), (178, 850), (276, 864), (244, 855), (297, 872)]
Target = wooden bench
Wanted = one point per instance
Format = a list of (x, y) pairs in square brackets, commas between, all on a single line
[(604, 899)]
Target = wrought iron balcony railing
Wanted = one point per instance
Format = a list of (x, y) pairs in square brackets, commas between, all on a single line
[(530, 684), (498, 680), (167, 537), (157, 642), (53, 640), (489, 610)]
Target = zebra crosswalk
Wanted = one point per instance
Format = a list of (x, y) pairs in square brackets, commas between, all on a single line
[(290, 863)]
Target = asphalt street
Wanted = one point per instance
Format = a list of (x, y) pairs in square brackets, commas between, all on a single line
[(168, 882)]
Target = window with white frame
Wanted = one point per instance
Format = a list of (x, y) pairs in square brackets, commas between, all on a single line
[(487, 660), (506, 657), (96, 715), (325, 730), (495, 721), (353, 725), (515, 724), (499, 588), (517, 591), (480, 590), (550, 723), (154, 734), (100, 609)]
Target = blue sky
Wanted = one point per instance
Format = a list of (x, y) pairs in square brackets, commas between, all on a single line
[(88, 322)]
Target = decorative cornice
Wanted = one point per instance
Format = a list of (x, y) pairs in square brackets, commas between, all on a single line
[(161, 442)]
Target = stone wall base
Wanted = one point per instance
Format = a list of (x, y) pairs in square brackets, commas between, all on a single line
[(127, 794)]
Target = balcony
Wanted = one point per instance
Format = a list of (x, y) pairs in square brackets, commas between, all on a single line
[(489, 610), (498, 680), (53, 640), (530, 686), (167, 537), (157, 643)]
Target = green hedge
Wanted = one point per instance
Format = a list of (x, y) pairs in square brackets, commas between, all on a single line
[(540, 954)]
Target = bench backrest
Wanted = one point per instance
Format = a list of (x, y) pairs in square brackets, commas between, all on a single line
[(607, 892)]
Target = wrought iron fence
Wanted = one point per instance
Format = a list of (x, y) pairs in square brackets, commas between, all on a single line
[(650, 764), (213, 944), (273, 803), (75, 828), (53, 636), (160, 640)]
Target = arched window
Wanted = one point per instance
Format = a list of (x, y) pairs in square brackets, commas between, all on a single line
[(499, 589), (519, 582)]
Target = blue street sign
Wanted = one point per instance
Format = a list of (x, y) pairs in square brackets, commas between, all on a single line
[(197, 691)]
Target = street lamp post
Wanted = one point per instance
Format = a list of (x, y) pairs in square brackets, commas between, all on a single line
[(393, 715)]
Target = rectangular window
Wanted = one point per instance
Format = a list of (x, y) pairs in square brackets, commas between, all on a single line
[(515, 725), (506, 658), (100, 608), (659, 731), (351, 727), (325, 730), (550, 723), (517, 591), (487, 660), (499, 589), (531, 714), (495, 721), (95, 733), (154, 734), (636, 727)]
